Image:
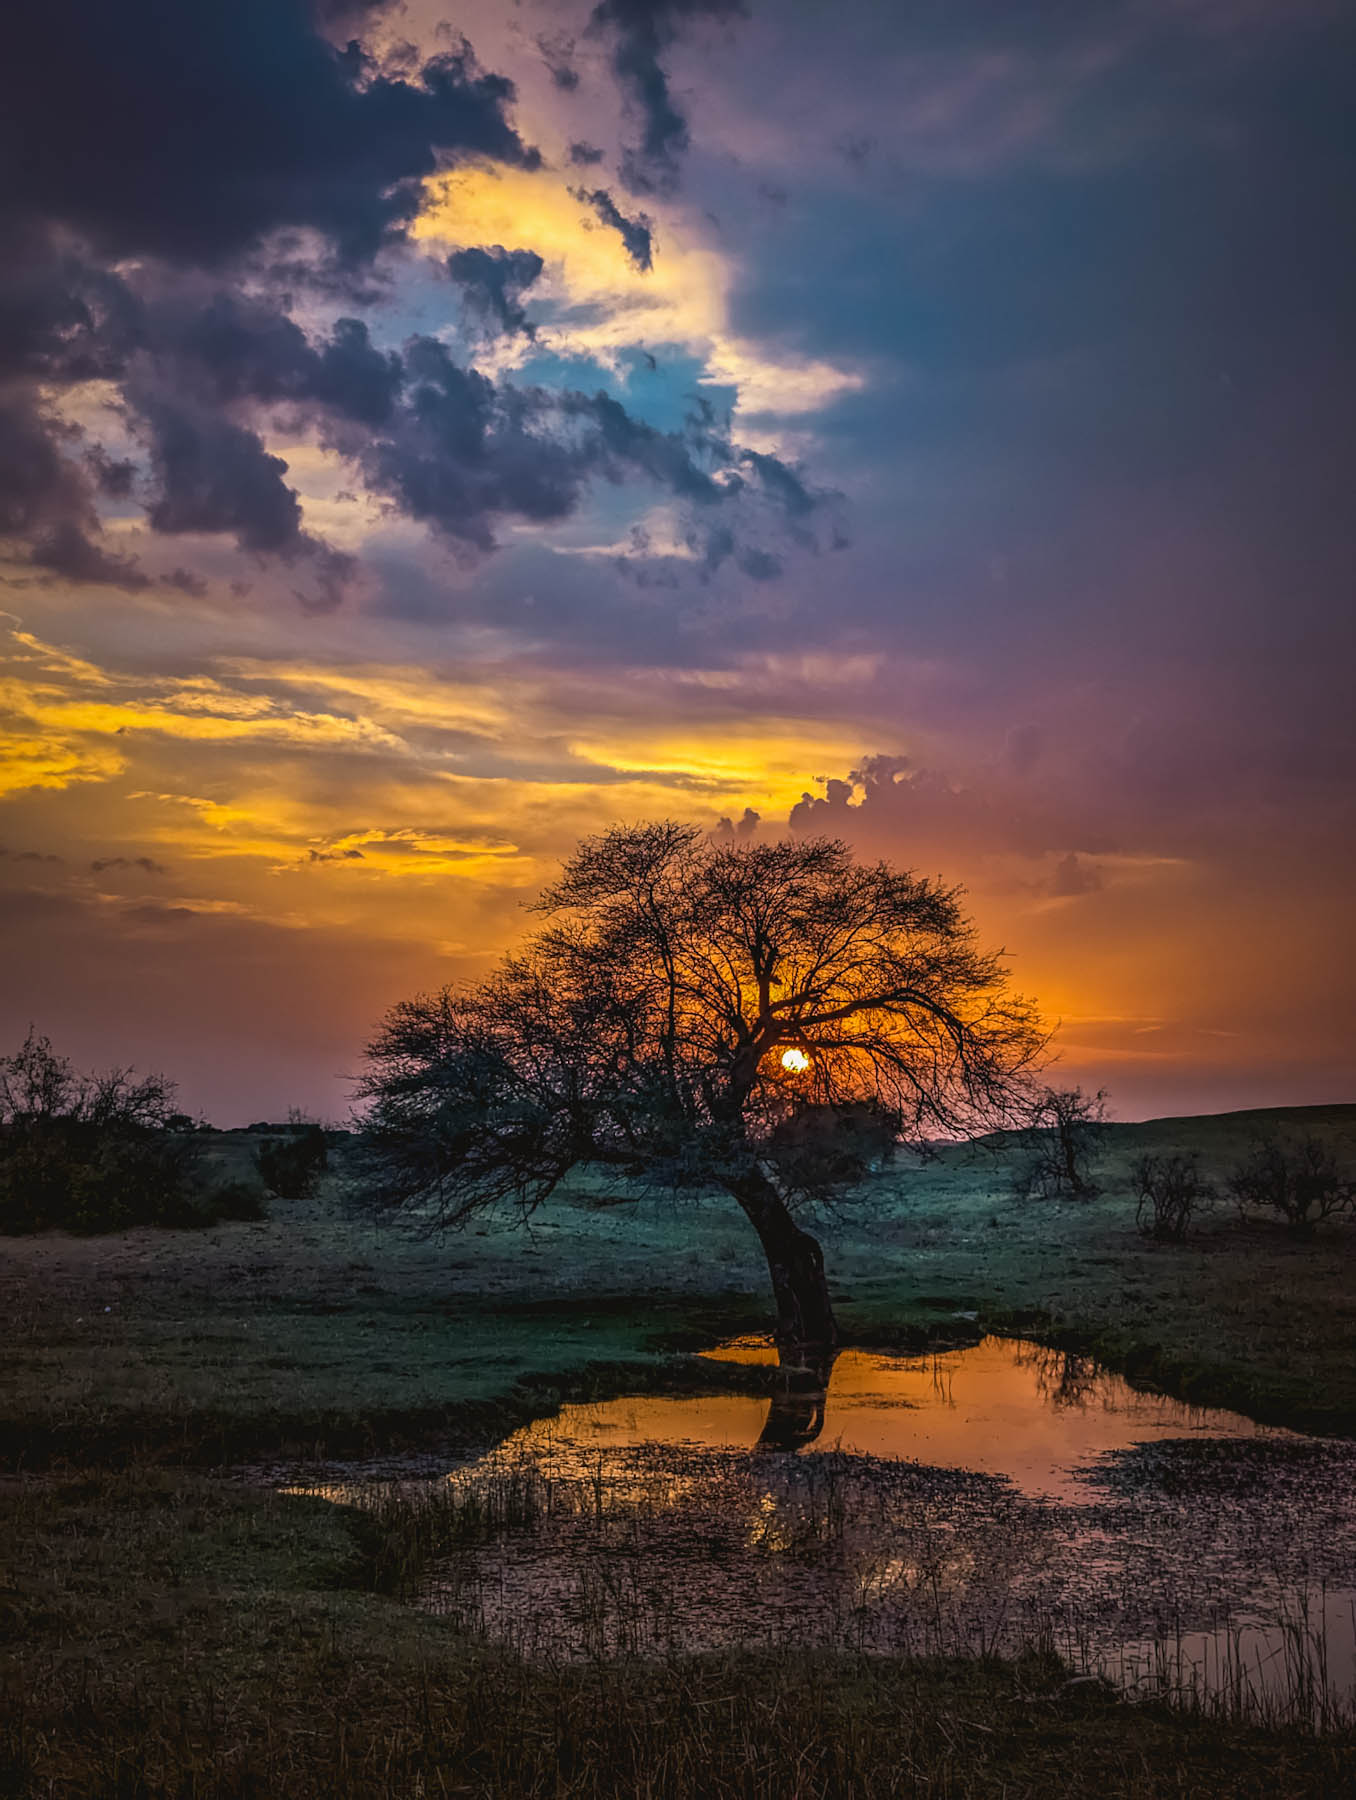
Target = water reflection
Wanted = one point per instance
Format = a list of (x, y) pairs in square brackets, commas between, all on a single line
[(1000, 1407), (979, 1500)]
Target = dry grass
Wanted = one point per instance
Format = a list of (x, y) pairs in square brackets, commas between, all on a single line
[(166, 1635)]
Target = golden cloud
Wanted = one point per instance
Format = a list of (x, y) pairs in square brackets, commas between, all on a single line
[(612, 306)]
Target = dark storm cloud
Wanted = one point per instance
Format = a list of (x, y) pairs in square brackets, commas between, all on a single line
[(214, 476), (790, 490), (444, 444), (225, 347), (585, 156), (641, 31), (494, 280), (113, 476), (636, 234), (154, 159), (40, 489), (61, 321), (185, 135), (66, 551), (759, 565), (188, 132), (464, 451)]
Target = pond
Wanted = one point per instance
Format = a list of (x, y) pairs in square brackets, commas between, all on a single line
[(982, 1499)]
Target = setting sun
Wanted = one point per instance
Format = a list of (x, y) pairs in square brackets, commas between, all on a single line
[(795, 1062)]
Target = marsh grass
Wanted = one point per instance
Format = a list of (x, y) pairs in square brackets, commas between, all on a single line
[(170, 1637), (561, 1554), (1279, 1678)]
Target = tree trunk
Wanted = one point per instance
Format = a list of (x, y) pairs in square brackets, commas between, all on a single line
[(806, 1327), (796, 1413)]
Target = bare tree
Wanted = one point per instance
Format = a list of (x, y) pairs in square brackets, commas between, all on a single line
[(87, 1152), (1059, 1143), (1298, 1177), (685, 1001), (1169, 1190)]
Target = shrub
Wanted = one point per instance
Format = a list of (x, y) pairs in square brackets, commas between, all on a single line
[(292, 1166), (1059, 1144), (236, 1200), (1297, 1177), (1170, 1189), (821, 1145), (89, 1153)]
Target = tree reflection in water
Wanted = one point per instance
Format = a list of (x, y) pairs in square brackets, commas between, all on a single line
[(977, 1499), (796, 1415)]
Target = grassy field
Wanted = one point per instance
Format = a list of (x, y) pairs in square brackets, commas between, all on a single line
[(323, 1327), (165, 1631)]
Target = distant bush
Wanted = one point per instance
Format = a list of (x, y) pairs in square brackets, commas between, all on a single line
[(236, 1200), (90, 1153), (822, 1145), (1297, 1177), (292, 1166), (1170, 1191), (1057, 1148)]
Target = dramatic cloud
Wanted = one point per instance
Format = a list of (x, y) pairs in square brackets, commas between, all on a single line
[(948, 448), (641, 31), (636, 234), (188, 132), (187, 135), (494, 281), (66, 551)]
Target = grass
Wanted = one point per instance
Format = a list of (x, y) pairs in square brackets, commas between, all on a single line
[(1245, 1316), (321, 1328), (182, 1637), (166, 1632)]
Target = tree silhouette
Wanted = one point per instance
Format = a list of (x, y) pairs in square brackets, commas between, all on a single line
[(685, 1002)]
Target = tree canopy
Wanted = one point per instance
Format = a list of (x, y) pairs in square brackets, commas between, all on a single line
[(686, 1003)]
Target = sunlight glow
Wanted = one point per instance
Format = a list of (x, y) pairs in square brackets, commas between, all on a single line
[(795, 1062)]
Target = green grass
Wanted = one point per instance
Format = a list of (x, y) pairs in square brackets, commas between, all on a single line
[(322, 1327), (1241, 1315)]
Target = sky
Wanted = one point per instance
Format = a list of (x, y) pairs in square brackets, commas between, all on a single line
[(431, 434)]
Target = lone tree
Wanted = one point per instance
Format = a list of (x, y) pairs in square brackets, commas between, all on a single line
[(686, 1002), (1060, 1140)]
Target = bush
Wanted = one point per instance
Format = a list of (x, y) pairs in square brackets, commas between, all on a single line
[(236, 1200), (825, 1146), (1170, 1189), (292, 1166), (1059, 1145), (89, 1153), (1297, 1177)]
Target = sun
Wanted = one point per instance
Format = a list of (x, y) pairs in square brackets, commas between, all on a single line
[(795, 1062)]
